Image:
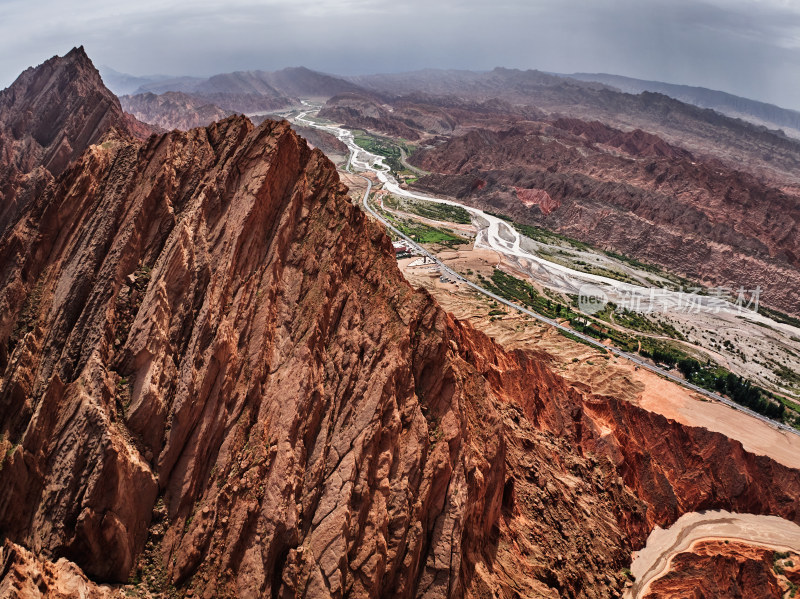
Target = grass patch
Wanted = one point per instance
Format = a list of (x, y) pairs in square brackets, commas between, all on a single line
[(422, 233), (430, 210), (548, 237), (521, 292), (788, 375), (637, 321)]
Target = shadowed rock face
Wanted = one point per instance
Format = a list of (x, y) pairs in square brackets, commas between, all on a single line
[(267, 383), (215, 377), (25, 575), (53, 112), (221, 327)]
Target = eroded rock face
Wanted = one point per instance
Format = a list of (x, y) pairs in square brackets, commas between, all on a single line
[(48, 117), (588, 478), (173, 110), (25, 576), (357, 110), (725, 569), (223, 328), (215, 380), (53, 112), (737, 143)]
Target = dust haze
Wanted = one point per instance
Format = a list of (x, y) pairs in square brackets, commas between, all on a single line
[(748, 48)]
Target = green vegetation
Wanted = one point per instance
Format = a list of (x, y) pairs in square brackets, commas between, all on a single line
[(708, 375), (632, 261), (780, 562), (12, 447), (742, 391), (628, 574), (675, 282), (577, 339), (522, 292), (426, 234), (150, 575), (593, 269), (501, 216), (419, 232), (636, 321), (788, 375), (548, 237), (431, 210), (792, 416)]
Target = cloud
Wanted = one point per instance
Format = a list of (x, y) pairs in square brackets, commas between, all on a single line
[(748, 47)]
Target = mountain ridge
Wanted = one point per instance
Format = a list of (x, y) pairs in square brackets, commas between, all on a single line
[(755, 111), (216, 382)]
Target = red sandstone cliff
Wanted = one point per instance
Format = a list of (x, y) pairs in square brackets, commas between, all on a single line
[(48, 117), (53, 112), (228, 333), (216, 382)]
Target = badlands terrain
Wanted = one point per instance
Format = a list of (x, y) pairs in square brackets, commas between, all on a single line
[(218, 379)]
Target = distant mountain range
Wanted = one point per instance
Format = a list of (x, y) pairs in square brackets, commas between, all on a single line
[(754, 111), (735, 130), (304, 82), (248, 92), (122, 83), (286, 83)]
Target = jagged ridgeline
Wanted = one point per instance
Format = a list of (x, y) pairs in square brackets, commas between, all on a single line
[(216, 383)]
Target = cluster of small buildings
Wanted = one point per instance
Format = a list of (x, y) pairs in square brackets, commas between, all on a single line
[(402, 249)]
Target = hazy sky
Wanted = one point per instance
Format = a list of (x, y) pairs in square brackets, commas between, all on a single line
[(747, 47)]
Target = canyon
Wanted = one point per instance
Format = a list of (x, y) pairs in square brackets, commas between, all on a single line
[(216, 382)]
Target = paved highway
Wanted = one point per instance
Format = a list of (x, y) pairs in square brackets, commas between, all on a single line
[(381, 170)]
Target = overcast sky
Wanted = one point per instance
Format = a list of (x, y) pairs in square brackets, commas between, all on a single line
[(747, 47)]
